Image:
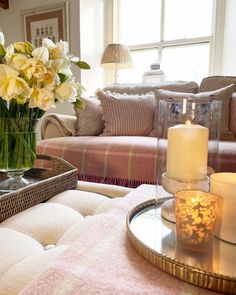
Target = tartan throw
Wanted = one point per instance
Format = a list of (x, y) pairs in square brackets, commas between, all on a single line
[(122, 160)]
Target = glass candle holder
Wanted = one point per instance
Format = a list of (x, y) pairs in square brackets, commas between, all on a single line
[(196, 215), (189, 130), (224, 184)]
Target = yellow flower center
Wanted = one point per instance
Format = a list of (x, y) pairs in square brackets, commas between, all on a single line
[(55, 53), (48, 78)]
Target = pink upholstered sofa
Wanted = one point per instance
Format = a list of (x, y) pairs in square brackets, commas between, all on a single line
[(127, 159)]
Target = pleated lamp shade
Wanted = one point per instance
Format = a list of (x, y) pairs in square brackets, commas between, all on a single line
[(116, 56)]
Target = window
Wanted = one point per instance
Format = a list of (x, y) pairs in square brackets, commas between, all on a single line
[(176, 33)]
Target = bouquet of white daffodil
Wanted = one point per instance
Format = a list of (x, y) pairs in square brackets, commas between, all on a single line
[(32, 80)]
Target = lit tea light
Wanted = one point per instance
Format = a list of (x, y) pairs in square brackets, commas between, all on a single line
[(196, 215), (187, 152), (188, 122)]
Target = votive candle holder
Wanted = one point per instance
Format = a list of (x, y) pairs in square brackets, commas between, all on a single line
[(196, 215)]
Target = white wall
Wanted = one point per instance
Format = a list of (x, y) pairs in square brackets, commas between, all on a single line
[(92, 42), (11, 22), (229, 49)]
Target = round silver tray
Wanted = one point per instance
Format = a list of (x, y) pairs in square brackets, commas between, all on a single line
[(154, 238)]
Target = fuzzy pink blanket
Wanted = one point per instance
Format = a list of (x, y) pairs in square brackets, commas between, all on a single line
[(102, 261)]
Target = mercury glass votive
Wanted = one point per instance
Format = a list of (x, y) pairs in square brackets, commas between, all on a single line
[(196, 215), (224, 184)]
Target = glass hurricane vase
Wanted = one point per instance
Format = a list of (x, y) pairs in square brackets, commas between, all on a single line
[(17, 151)]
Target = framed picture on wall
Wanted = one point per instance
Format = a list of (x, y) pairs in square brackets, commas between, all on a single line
[(46, 22)]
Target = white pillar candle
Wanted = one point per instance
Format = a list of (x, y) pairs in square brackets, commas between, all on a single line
[(224, 184), (187, 151)]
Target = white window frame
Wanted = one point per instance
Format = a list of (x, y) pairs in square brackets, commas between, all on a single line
[(214, 39)]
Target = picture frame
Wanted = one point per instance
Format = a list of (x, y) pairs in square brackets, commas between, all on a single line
[(46, 22)]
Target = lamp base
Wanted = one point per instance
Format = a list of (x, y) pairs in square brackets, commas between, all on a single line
[(172, 186)]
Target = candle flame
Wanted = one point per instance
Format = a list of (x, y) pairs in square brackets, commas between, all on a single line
[(188, 122)]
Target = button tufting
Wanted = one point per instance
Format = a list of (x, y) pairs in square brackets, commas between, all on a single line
[(50, 246)]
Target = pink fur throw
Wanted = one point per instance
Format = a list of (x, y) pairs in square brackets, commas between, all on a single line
[(102, 261)]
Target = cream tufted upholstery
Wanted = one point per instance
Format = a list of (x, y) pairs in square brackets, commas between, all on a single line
[(32, 239)]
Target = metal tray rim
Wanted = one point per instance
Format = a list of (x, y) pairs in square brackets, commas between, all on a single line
[(222, 283)]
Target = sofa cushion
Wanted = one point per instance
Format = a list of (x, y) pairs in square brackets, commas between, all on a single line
[(216, 82), (224, 94), (127, 114), (89, 120), (183, 86)]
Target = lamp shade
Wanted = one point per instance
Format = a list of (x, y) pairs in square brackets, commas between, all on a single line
[(116, 56)]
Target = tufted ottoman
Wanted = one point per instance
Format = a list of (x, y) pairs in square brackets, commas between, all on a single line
[(34, 238)]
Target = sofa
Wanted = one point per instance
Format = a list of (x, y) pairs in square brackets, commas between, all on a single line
[(114, 139)]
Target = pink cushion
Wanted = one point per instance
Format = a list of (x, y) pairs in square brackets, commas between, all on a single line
[(127, 114), (89, 120)]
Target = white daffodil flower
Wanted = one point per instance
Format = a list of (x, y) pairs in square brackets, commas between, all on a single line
[(41, 53), (7, 72), (12, 86), (2, 38), (18, 60), (42, 98), (9, 53), (50, 80), (58, 50), (68, 91)]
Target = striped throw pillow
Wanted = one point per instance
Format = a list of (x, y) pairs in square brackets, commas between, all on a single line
[(127, 114)]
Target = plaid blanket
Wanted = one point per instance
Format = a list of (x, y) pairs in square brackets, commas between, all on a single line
[(122, 160)]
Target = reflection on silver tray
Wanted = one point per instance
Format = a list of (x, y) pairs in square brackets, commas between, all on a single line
[(154, 238)]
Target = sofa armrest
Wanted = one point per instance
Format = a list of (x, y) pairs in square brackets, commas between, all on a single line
[(232, 118), (57, 125)]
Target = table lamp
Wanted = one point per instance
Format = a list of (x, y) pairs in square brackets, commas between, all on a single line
[(116, 56)]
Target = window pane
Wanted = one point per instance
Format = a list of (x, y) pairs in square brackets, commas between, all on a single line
[(186, 62), (187, 19), (139, 22), (142, 59)]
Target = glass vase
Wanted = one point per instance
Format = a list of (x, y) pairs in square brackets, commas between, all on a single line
[(17, 151), (203, 112)]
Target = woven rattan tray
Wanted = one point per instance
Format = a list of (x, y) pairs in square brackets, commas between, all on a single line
[(50, 176)]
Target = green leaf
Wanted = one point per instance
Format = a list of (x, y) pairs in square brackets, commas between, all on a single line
[(63, 77), (2, 52), (79, 103), (29, 47), (1, 58), (81, 64)]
